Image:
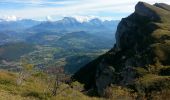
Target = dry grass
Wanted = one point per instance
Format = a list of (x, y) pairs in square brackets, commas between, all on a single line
[(4, 95), (37, 88), (119, 93)]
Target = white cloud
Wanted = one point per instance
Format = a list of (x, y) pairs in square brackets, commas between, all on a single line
[(114, 8), (82, 18), (10, 18), (88, 18), (49, 18)]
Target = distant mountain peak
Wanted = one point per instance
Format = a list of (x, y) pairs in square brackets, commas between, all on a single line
[(72, 20), (82, 19), (69, 19), (96, 20)]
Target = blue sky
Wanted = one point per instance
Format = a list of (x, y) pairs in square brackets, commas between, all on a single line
[(56, 9)]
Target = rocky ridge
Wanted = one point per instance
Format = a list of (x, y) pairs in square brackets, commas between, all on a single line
[(140, 59)]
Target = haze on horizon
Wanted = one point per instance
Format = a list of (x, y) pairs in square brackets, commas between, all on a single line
[(57, 9)]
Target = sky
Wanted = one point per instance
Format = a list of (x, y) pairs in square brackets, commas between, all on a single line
[(57, 9)]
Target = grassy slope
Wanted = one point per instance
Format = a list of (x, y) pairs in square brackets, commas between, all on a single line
[(35, 88)]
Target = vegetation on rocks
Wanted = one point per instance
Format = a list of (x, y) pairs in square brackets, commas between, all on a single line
[(140, 57)]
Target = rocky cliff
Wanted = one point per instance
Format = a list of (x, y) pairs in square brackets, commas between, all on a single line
[(140, 59)]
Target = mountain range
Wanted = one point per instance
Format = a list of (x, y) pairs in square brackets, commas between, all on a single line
[(21, 29), (68, 24), (55, 40)]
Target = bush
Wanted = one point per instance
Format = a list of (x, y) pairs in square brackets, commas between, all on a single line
[(77, 86), (162, 95), (119, 93), (152, 84), (41, 96)]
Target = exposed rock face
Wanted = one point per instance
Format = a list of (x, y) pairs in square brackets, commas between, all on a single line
[(104, 76), (142, 48), (144, 9), (134, 28), (139, 30)]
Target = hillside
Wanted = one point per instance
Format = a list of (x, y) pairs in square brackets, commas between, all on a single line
[(140, 59), (38, 86), (14, 51)]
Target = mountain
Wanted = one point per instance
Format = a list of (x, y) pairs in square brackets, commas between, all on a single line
[(82, 46), (13, 51), (57, 43), (20, 30), (83, 41), (3, 38), (17, 25), (70, 24), (15, 30), (140, 59)]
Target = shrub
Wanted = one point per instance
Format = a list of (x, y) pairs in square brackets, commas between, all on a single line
[(77, 86), (119, 93)]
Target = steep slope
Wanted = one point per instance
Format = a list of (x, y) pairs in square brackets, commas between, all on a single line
[(36, 87), (140, 60)]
